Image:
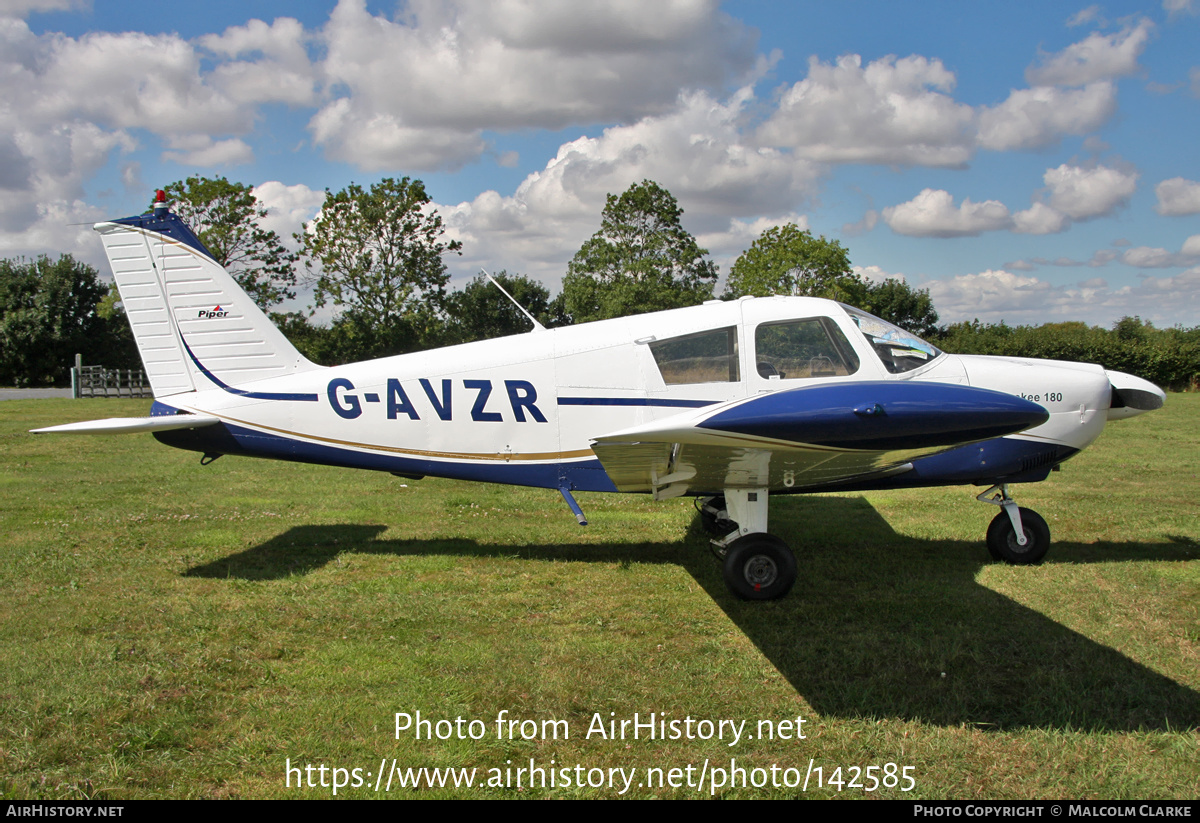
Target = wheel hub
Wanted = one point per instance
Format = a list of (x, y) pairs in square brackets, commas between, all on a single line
[(1016, 546), (760, 571)]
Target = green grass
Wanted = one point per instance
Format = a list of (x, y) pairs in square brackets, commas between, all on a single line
[(168, 630)]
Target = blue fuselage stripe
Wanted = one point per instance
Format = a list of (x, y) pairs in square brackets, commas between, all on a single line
[(635, 401), (255, 395), (229, 438)]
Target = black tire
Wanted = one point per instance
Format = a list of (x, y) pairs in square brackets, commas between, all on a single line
[(1002, 538), (711, 511), (759, 567)]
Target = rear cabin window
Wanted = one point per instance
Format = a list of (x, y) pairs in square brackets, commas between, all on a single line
[(708, 357), (808, 348)]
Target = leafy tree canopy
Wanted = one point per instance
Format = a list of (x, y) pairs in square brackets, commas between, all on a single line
[(481, 312), (1132, 328), (48, 313), (378, 254), (1168, 357), (899, 303), (789, 260), (641, 260), (226, 217)]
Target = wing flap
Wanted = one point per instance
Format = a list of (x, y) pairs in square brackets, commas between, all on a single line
[(672, 469)]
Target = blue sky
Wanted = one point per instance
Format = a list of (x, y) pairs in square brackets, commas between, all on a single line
[(1030, 162)]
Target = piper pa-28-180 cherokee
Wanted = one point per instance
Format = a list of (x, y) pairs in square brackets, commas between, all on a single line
[(728, 402)]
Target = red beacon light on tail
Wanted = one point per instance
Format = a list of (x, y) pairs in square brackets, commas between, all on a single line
[(161, 206)]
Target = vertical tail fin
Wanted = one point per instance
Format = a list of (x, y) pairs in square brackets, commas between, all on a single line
[(195, 327)]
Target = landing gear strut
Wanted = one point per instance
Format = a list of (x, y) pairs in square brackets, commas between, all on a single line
[(714, 516), (756, 565), (1016, 535)]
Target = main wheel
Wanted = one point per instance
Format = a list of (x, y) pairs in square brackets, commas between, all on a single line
[(759, 567), (1002, 538), (714, 517)]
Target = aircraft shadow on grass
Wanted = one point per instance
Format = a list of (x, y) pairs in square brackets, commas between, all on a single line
[(878, 625)]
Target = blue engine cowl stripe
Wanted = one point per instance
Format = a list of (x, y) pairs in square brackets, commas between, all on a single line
[(881, 415)]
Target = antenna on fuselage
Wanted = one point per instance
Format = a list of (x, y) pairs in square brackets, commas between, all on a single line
[(536, 325)]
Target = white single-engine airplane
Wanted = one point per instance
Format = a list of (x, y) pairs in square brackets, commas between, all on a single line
[(728, 402)]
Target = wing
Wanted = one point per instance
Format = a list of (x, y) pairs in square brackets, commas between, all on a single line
[(809, 436)]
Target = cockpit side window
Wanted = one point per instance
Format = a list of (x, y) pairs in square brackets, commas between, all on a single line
[(707, 357), (814, 347)]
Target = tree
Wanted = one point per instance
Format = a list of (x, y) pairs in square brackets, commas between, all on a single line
[(1168, 357), (1132, 328), (378, 254), (899, 303), (226, 217), (48, 313), (119, 350), (641, 260), (789, 260), (480, 311)]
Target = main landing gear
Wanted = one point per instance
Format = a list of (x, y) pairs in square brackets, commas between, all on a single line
[(760, 566), (757, 565), (1016, 535)]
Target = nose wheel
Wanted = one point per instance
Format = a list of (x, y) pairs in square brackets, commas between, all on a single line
[(1002, 540), (1016, 535)]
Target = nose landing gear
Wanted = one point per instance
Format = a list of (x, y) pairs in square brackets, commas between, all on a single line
[(1016, 535)]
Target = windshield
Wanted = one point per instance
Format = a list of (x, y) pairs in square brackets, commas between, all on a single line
[(900, 351)]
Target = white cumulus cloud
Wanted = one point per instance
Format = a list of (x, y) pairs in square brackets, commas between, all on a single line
[(21, 8), (997, 294), (279, 70), (451, 69), (1040, 116), (1147, 257), (376, 141), (1097, 57), (1040, 219), (932, 213), (288, 207), (890, 111), (1177, 7), (696, 152), (202, 151), (1177, 196), (1083, 193)]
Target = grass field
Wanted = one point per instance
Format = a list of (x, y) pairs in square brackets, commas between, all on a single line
[(172, 630)]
